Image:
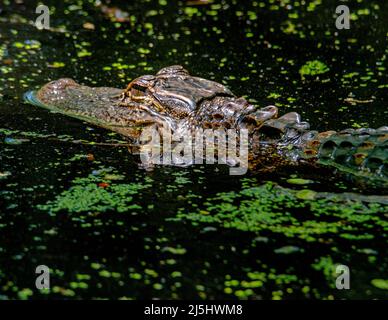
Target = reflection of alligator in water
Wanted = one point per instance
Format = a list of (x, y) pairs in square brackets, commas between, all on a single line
[(173, 96)]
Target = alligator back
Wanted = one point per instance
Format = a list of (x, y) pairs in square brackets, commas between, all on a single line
[(363, 153)]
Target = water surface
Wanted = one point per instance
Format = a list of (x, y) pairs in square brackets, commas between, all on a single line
[(109, 229)]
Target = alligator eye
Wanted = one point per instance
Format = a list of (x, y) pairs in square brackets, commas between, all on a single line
[(138, 91)]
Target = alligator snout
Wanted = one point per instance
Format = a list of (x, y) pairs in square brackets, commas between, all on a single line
[(54, 89)]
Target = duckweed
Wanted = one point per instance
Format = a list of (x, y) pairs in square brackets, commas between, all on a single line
[(96, 193), (269, 208), (312, 68)]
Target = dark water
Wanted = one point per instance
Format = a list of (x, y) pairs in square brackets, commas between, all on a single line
[(130, 247)]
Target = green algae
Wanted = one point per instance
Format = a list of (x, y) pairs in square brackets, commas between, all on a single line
[(96, 193), (306, 194), (299, 181), (313, 68), (57, 64), (380, 284), (255, 281), (326, 265), (269, 208), (4, 175), (288, 250)]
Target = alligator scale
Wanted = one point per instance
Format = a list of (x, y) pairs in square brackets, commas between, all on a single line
[(173, 97)]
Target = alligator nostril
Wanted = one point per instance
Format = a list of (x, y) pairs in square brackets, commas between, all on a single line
[(61, 83), (54, 89)]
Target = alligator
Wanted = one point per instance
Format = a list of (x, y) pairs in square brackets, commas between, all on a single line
[(173, 97)]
